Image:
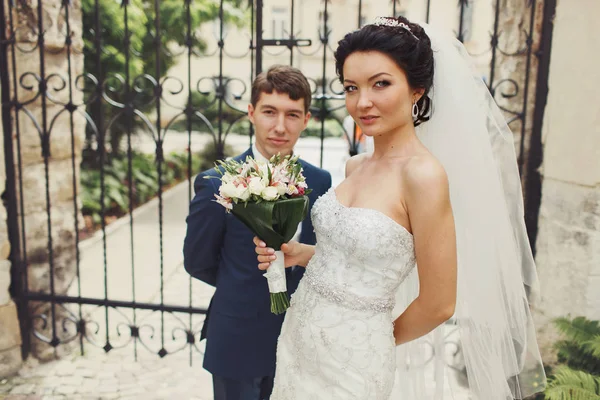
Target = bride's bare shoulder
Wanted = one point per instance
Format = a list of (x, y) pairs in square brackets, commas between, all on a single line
[(424, 174), (354, 162)]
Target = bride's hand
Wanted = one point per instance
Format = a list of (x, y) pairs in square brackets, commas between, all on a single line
[(292, 251)]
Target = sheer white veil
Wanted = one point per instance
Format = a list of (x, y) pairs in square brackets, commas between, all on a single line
[(469, 136)]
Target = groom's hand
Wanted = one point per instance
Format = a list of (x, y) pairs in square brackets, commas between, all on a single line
[(265, 255)]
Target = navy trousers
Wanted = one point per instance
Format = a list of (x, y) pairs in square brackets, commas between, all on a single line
[(249, 389)]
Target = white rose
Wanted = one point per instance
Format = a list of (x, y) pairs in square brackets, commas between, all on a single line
[(281, 189), (242, 193), (227, 178), (228, 190), (265, 181), (270, 193), (257, 185)]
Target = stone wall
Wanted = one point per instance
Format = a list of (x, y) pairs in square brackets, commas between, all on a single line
[(10, 334), (48, 116), (568, 245)]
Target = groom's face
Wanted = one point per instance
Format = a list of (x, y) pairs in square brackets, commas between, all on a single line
[(278, 122)]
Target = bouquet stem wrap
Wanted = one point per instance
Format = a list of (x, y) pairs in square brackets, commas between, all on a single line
[(277, 285), (275, 222)]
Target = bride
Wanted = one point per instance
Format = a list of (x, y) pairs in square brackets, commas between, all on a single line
[(427, 227)]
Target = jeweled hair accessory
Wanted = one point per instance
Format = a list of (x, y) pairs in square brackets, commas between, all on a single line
[(386, 21)]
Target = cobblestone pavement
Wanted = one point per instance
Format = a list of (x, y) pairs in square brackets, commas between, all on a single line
[(100, 376)]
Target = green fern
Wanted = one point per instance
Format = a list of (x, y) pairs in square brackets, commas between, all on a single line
[(581, 348), (593, 346), (579, 329), (578, 356), (578, 378), (568, 384)]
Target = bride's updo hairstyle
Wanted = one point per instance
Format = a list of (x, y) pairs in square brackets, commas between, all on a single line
[(405, 43)]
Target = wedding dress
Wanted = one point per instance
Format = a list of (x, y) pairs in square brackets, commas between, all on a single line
[(337, 338)]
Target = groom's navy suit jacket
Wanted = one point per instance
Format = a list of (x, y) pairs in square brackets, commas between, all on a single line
[(240, 330)]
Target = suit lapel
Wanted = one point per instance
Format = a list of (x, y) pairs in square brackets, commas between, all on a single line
[(242, 157), (311, 184)]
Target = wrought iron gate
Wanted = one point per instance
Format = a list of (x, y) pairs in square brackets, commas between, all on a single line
[(163, 81)]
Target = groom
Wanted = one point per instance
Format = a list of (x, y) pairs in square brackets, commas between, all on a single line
[(241, 337)]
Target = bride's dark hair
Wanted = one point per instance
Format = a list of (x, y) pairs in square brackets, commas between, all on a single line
[(411, 50)]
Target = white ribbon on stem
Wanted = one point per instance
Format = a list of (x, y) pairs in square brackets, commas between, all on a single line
[(276, 274)]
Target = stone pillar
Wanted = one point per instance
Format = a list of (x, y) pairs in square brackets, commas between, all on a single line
[(568, 244), (515, 24), (10, 333), (64, 125)]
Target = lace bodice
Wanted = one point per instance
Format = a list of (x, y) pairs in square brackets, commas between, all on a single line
[(337, 339), (372, 255)]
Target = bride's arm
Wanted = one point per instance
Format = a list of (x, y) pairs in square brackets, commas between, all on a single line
[(295, 253), (428, 202)]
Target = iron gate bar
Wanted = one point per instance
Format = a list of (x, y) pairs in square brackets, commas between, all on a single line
[(461, 19), (529, 42), (188, 116), (287, 42), (101, 143), (259, 34), (129, 113), (112, 303), (323, 110), (71, 108), (533, 189), (45, 137), (494, 43), (293, 33), (160, 155), (19, 281)]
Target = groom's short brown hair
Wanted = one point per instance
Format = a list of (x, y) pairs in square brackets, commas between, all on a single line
[(282, 79)]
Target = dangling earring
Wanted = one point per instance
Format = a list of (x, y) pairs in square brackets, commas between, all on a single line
[(415, 110)]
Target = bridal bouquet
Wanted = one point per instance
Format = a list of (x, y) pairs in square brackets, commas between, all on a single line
[(270, 199)]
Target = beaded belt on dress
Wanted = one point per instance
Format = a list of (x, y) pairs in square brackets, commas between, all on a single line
[(338, 295)]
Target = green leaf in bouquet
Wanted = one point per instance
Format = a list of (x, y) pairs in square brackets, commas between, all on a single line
[(288, 214), (275, 222), (258, 217)]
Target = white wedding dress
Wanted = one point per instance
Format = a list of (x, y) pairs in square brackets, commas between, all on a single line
[(337, 338)]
